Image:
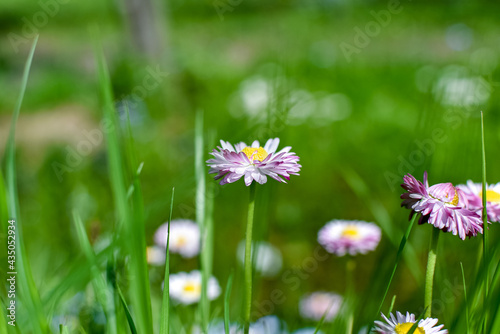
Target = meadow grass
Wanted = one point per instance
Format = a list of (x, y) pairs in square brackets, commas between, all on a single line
[(119, 284)]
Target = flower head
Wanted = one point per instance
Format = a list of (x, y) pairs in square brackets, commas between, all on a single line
[(155, 255), (185, 288), (401, 324), (317, 304), (473, 193), (184, 237), (349, 236), (442, 205), (253, 162), (267, 262)]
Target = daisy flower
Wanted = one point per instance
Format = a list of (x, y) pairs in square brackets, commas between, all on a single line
[(474, 194), (401, 324), (316, 304), (155, 255), (349, 236), (185, 288), (253, 162), (442, 205), (184, 237), (267, 262)]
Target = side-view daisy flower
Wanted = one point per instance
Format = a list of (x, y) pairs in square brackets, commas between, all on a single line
[(340, 237), (441, 205), (317, 304), (253, 162), (473, 193), (401, 324), (185, 288), (184, 237)]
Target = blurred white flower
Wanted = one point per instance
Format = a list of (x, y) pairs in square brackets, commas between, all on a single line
[(269, 324), (316, 304), (155, 255), (459, 37), (185, 288), (269, 260), (184, 237), (309, 330), (456, 87)]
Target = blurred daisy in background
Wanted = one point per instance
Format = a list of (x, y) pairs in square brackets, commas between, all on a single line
[(185, 288), (317, 304), (155, 255), (184, 237), (268, 261), (268, 324), (441, 205), (352, 237), (474, 194), (254, 162), (400, 324)]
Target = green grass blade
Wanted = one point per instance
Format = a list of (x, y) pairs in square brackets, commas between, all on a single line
[(165, 305), (27, 289), (133, 230), (206, 247), (398, 258), (130, 321), (485, 229), (63, 329), (227, 297), (102, 290), (465, 299)]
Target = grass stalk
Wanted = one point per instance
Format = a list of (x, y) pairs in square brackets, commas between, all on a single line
[(485, 229), (165, 305)]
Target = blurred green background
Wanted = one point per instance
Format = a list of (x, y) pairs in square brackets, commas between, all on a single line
[(406, 100)]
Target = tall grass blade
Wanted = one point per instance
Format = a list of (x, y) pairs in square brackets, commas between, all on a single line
[(130, 321), (101, 288), (465, 299), (227, 297), (398, 258), (27, 289), (131, 223), (165, 305), (485, 230)]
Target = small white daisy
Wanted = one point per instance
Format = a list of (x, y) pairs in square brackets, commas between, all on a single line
[(268, 261), (349, 236), (155, 255), (401, 324), (184, 237), (185, 288), (316, 304)]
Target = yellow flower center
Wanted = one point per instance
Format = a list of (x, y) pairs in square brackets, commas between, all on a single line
[(192, 288), (405, 328), (351, 232), (491, 196), (258, 154), (181, 241), (455, 199)]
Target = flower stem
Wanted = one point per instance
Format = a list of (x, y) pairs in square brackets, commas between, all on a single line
[(429, 275), (248, 258)]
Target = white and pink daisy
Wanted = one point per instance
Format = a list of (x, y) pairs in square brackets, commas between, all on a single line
[(352, 237), (474, 194), (317, 304), (254, 162), (156, 255), (442, 205), (184, 237), (185, 288), (401, 324)]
